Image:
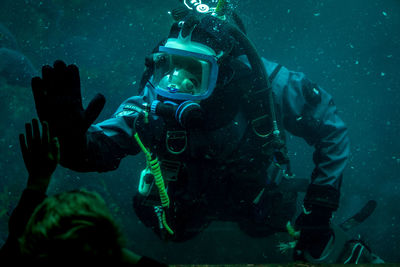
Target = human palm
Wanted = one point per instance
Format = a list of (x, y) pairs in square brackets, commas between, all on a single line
[(41, 154)]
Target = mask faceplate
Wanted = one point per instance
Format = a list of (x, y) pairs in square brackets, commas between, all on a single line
[(184, 75)]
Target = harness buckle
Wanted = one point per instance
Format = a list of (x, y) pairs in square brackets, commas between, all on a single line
[(261, 126)]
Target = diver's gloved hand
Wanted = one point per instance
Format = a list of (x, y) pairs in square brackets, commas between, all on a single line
[(315, 232), (58, 101)]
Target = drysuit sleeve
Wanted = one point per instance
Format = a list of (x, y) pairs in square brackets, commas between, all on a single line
[(309, 112), (111, 140)]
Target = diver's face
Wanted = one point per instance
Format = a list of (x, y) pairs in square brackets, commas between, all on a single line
[(180, 81), (184, 75)]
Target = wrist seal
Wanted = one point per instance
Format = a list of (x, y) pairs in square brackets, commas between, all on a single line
[(322, 196)]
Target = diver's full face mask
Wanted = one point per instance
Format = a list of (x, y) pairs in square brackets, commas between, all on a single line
[(184, 75)]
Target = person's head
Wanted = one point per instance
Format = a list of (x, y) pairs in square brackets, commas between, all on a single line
[(72, 227), (198, 62), (193, 59), (198, 71)]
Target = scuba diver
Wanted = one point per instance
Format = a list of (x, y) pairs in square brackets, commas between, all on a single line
[(210, 117)]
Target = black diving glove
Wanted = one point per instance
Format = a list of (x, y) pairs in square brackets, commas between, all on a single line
[(58, 101), (315, 232)]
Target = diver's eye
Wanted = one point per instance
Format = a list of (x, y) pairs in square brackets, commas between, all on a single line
[(194, 83), (189, 85)]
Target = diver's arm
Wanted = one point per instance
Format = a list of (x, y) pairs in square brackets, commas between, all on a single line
[(332, 149), (58, 101), (106, 142), (309, 112)]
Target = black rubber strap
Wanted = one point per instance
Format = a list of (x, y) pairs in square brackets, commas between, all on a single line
[(259, 98), (274, 73)]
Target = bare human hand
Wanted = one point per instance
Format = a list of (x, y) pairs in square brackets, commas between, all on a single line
[(41, 155)]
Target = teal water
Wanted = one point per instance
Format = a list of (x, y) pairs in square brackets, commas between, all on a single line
[(350, 48)]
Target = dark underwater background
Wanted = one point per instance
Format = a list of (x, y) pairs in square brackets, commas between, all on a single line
[(350, 48)]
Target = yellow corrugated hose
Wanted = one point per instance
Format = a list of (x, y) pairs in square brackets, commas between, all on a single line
[(156, 172), (220, 7)]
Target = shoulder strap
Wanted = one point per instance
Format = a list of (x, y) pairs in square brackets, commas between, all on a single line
[(273, 74), (260, 112), (258, 107)]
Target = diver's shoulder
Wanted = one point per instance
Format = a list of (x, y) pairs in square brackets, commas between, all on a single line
[(270, 66)]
